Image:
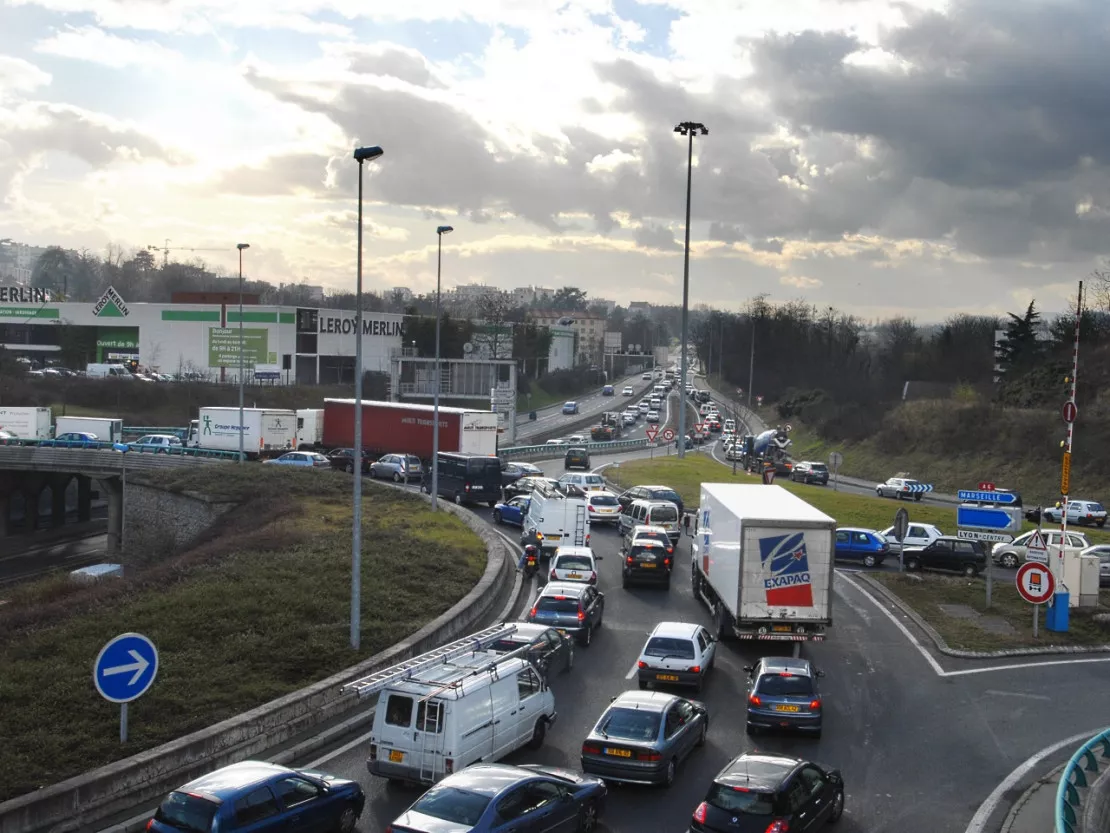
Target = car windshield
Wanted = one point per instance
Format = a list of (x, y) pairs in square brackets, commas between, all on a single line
[(554, 604), (664, 514), (642, 537), (630, 724), (575, 451), (785, 685), (741, 800), (669, 646), (1095, 507), (187, 812), (502, 646), (593, 480), (573, 562), (453, 805), (667, 494), (604, 500), (817, 467)]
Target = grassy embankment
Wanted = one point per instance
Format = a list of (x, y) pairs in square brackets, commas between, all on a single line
[(924, 592), (258, 609)]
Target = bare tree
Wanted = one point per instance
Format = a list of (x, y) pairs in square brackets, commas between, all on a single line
[(1100, 290), (496, 331)]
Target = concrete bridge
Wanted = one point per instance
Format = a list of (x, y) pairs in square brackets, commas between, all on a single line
[(28, 473)]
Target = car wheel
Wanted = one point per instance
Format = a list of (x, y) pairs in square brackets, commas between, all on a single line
[(1100, 524), (570, 659), (496, 517), (396, 477), (349, 469), (347, 820), (587, 818), (587, 636), (624, 582), (458, 498), (491, 503), (878, 493), (643, 685), (970, 570), (538, 734), (917, 498), (1009, 559), (837, 808), (749, 730), (702, 733), (912, 563), (869, 561), (672, 768)]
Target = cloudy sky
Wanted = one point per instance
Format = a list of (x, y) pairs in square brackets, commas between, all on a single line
[(913, 158)]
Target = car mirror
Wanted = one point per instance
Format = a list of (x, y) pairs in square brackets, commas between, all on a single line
[(749, 668), (599, 558), (820, 673)]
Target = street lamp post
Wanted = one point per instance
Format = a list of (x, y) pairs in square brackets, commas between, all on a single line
[(361, 155), (240, 247), (440, 231), (689, 129)]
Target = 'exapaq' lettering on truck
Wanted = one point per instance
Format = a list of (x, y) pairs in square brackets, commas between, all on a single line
[(786, 576)]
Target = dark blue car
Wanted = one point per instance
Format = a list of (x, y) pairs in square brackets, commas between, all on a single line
[(863, 545), (487, 797), (73, 439), (512, 511), (262, 798)]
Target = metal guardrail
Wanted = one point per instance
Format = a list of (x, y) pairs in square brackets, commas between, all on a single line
[(71, 446), (558, 449), (141, 430), (1075, 778)]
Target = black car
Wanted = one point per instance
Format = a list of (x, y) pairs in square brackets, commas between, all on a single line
[(512, 472), (757, 793), (948, 553), (549, 650), (527, 485), (647, 558), (344, 460), (577, 458), (809, 472), (650, 493)]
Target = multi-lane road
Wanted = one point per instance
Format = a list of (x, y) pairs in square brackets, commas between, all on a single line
[(922, 740), (550, 419)]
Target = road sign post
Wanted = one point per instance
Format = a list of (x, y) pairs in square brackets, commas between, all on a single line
[(1036, 584), (901, 527), (124, 669), (835, 459)]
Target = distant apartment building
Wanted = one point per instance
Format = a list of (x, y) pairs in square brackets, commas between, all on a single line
[(526, 296), (17, 261), (303, 292), (604, 302), (639, 306), (588, 328)]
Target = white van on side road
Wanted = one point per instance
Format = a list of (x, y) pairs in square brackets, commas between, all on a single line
[(443, 713)]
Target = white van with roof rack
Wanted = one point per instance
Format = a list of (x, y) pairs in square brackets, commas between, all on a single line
[(453, 707), (556, 518)]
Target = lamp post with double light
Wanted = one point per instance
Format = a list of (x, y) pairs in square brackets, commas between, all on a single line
[(440, 231), (242, 430), (689, 129), (361, 155)]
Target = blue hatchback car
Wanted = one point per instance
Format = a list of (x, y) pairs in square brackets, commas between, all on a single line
[(262, 798), (488, 797), (863, 545), (783, 694), (512, 511)]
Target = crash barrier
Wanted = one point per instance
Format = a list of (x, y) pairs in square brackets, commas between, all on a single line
[(558, 449), (1080, 773), (143, 430), (81, 445), (101, 461)]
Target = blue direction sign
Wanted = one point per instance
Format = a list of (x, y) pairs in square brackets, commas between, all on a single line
[(1005, 498), (125, 668), (984, 517)]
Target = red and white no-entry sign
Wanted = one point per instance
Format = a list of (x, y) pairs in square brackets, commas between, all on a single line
[(668, 435), (1035, 583), (1069, 412)]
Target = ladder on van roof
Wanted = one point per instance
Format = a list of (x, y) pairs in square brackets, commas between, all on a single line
[(374, 683), (580, 524)]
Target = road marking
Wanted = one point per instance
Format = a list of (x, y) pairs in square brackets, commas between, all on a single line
[(341, 750), (1021, 665), (632, 671), (859, 609), (979, 821), (1016, 694)]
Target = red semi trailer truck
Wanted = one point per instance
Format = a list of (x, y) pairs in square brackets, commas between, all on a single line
[(403, 428)]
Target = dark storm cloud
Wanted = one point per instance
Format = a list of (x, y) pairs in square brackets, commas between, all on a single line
[(395, 62)]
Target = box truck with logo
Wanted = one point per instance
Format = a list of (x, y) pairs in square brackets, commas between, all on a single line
[(267, 432), (763, 563), (403, 428), (26, 423), (106, 430)]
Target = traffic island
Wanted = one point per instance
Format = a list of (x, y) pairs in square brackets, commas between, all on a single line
[(952, 611), (244, 621)]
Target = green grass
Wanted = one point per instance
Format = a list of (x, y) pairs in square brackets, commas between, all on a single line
[(259, 611), (686, 476), (925, 592)]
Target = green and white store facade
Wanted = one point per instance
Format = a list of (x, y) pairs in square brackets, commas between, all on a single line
[(286, 344)]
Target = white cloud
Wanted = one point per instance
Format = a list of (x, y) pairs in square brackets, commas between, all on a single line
[(19, 76), (88, 43), (800, 281)]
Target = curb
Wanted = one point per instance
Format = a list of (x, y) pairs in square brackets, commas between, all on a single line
[(1027, 795), (959, 653)]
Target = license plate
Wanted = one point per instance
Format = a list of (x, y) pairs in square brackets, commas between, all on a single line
[(575, 575), (782, 629), (553, 537), (647, 566), (618, 753), (671, 678), (396, 756), (786, 708)]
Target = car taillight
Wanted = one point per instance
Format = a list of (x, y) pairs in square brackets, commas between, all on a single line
[(593, 578), (532, 612), (553, 576), (373, 752), (695, 669), (149, 824), (641, 664), (468, 487), (814, 705), (648, 756), (779, 826), (755, 701), (666, 562), (701, 813), (628, 560), (591, 508), (590, 749), (581, 616), (448, 765)]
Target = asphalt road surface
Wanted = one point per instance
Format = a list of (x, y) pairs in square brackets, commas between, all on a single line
[(33, 559), (921, 740), (550, 419)]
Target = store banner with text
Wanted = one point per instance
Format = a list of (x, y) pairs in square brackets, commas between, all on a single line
[(223, 346)]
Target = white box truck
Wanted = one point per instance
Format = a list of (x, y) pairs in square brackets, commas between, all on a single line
[(26, 423), (310, 428), (267, 432), (107, 430), (763, 563), (556, 519)]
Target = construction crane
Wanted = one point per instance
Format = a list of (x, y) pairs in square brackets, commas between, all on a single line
[(165, 250)]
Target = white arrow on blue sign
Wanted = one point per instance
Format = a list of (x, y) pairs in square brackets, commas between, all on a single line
[(1005, 498), (125, 668), (985, 517)]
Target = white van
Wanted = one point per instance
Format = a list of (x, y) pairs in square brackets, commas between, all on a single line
[(107, 371), (651, 513), (659, 390), (555, 519), (443, 713)]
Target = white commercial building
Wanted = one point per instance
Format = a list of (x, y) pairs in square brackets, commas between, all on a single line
[(303, 345)]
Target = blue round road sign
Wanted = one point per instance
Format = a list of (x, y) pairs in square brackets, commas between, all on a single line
[(125, 668)]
